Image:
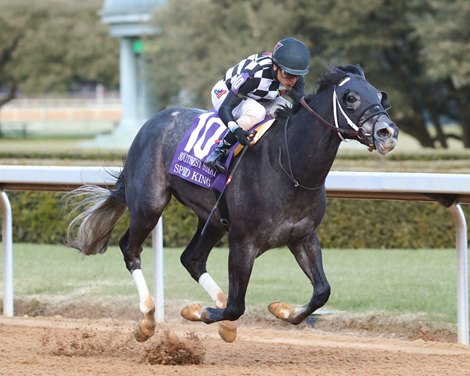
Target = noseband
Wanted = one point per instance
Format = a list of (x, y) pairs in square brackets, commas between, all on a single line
[(356, 133)]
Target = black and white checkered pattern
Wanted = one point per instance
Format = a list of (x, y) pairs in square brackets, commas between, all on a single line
[(261, 84)]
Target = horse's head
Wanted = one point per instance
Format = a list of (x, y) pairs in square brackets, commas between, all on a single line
[(360, 110)]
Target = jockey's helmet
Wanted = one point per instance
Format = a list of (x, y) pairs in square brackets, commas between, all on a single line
[(292, 56)]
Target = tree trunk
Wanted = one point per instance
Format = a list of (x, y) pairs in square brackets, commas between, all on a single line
[(440, 135), (406, 69), (462, 98), (414, 127)]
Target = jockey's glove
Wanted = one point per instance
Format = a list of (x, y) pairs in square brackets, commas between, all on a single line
[(295, 95), (244, 137)]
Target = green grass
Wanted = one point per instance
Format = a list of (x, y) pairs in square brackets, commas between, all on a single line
[(363, 281), (407, 157)]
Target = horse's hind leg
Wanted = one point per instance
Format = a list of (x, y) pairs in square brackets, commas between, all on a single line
[(141, 224), (308, 254), (194, 259)]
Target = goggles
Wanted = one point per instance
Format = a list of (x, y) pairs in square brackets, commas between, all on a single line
[(288, 76)]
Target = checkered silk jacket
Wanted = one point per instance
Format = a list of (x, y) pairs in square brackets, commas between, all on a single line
[(255, 78)]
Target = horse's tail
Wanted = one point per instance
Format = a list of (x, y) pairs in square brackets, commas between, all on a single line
[(99, 210)]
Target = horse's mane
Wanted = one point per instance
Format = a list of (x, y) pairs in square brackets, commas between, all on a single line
[(334, 75)]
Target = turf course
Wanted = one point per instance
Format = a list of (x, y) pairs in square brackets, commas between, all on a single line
[(363, 281)]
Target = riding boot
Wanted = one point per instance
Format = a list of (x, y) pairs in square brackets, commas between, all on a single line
[(218, 157)]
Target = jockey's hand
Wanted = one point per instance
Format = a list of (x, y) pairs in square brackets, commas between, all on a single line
[(244, 137), (295, 95)]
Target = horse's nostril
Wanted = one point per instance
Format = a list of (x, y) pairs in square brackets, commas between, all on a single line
[(384, 132)]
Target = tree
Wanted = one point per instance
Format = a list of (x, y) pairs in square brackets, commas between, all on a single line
[(392, 40), (445, 31), (54, 46), (201, 39), (377, 34)]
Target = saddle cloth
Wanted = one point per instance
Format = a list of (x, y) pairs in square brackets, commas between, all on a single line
[(199, 141)]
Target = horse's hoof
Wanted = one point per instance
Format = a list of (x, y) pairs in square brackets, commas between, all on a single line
[(228, 330), (280, 310), (192, 312), (145, 329)]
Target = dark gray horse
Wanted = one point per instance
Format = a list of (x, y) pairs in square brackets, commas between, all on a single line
[(277, 198)]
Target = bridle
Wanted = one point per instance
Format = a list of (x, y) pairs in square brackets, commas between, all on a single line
[(357, 132), (349, 132)]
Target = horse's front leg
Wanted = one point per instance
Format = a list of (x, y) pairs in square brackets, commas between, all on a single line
[(227, 329), (308, 254), (241, 260)]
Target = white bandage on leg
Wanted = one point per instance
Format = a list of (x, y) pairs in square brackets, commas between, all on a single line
[(213, 290), (146, 300)]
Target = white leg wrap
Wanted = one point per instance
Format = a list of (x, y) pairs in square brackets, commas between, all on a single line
[(213, 290), (146, 300)]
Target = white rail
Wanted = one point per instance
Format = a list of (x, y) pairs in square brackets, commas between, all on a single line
[(448, 189)]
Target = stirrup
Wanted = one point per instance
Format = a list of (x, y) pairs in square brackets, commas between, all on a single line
[(218, 162)]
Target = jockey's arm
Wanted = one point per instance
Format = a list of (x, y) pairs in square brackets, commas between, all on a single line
[(225, 111), (232, 100)]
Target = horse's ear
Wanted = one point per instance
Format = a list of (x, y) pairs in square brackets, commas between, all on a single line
[(385, 101), (336, 73), (354, 69), (360, 71)]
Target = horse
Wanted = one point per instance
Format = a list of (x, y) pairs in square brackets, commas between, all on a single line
[(277, 198)]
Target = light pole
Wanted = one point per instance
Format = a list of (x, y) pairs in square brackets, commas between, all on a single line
[(129, 21)]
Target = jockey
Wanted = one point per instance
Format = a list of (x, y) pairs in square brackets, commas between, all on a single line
[(253, 89)]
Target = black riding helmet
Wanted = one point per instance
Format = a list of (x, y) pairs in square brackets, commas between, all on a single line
[(292, 56)]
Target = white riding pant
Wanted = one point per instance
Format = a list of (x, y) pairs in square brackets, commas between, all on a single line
[(249, 112)]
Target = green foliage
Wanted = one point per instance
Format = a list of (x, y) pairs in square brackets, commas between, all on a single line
[(445, 31), (179, 224), (42, 217), (201, 39), (55, 45), (38, 217), (386, 224), (413, 49)]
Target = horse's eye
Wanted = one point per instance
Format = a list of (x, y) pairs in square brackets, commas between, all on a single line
[(351, 99)]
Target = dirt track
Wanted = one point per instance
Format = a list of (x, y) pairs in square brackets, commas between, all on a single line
[(58, 346)]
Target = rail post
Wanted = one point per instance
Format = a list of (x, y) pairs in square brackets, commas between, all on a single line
[(7, 239), (157, 245), (462, 273)]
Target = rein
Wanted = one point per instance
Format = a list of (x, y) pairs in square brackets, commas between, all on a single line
[(290, 173)]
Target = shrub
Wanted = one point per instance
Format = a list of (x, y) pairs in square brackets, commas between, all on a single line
[(42, 217)]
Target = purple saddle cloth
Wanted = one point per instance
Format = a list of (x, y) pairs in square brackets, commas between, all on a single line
[(198, 142)]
